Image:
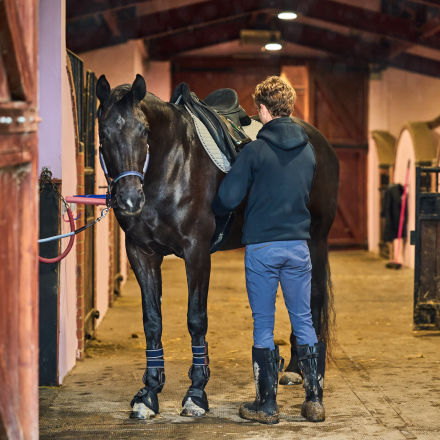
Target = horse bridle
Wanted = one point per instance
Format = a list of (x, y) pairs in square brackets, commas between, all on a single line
[(111, 182)]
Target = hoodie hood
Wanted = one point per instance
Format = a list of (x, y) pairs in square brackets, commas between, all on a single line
[(283, 133)]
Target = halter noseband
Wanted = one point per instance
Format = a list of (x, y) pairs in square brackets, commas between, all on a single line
[(111, 182)]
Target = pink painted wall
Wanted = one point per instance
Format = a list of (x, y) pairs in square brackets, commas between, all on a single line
[(157, 74), (57, 151), (131, 59), (49, 87), (68, 342), (395, 97), (373, 197), (405, 152)]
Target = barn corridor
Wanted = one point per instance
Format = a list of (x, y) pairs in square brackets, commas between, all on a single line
[(383, 380)]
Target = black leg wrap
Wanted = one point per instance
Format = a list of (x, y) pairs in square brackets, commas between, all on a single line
[(293, 366), (154, 380), (199, 374)]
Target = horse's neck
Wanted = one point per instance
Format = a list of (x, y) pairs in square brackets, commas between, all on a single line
[(163, 118), (158, 112)]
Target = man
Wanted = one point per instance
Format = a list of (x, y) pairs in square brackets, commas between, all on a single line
[(276, 173)]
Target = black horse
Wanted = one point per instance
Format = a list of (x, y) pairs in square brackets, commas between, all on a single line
[(162, 186)]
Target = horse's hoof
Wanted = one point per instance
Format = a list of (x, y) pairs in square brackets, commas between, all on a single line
[(290, 378), (141, 412), (190, 409)]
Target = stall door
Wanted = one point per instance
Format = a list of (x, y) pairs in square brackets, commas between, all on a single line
[(18, 221), (338, 108)]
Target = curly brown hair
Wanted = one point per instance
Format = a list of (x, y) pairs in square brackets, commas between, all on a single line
[(277, 95)]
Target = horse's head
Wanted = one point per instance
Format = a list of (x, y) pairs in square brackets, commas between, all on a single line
[(123, 135)]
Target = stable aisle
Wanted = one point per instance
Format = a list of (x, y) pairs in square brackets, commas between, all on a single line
[(383, 380)]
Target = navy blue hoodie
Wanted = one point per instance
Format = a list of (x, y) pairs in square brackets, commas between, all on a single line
[(276, 171)]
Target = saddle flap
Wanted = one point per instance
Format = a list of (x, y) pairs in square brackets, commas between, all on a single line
[(210, 118)]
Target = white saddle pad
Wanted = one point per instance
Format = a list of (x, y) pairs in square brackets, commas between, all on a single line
[(211, 147)]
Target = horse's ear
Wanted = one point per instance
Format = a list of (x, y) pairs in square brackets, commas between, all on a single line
[(102, 89), (139, 88)]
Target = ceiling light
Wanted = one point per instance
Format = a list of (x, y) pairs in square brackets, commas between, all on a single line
[(287, 15), (273, 46)]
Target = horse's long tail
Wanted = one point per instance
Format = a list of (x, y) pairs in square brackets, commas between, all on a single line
[(327, 327)]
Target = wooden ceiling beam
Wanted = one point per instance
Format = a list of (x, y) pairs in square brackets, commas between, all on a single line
[(164, 22), (331, 42), (77, 9), (429, 29), (189, 16), (434, 3), (352, 49), (348, 49), (169, 46), (416, 64), (224, 62)]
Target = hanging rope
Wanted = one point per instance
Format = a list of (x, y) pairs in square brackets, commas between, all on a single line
[(46, 179)]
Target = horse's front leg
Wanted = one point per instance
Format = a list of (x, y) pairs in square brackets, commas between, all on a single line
[(146, 267), (198, 267)]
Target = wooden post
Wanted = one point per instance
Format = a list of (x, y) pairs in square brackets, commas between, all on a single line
[(18, 220)]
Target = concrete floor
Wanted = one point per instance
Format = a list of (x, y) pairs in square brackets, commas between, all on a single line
[(382, 382)]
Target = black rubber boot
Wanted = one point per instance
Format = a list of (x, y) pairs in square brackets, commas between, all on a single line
[(312, 364), (266, 366)]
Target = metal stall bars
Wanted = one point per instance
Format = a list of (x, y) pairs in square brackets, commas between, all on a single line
[(86, 113), (426, 238), (90, 312)]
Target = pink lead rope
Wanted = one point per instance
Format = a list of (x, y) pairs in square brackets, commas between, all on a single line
[(402, 211)]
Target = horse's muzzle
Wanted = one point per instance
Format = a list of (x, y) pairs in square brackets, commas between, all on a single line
[(130, 199)]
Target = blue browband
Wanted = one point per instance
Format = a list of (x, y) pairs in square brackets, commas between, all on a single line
[(111, 181)]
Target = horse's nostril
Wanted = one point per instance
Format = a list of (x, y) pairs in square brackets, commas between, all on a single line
[(130, 200)]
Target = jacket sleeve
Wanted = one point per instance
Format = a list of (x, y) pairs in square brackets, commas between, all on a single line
[(235, 185)]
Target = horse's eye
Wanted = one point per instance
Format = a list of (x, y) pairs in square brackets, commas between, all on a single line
[(104, 135)]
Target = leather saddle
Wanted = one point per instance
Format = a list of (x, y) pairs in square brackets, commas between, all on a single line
[(225, 102), (218, 109), (219, 106)]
